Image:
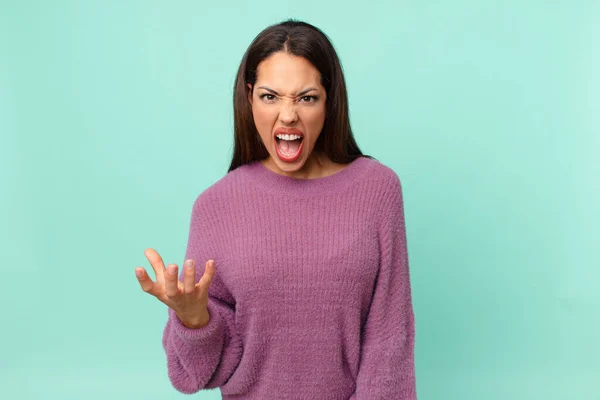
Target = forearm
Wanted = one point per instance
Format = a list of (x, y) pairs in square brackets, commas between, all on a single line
[(205, 357), (193, 354)]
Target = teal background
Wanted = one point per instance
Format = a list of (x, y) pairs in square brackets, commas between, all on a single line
[(114, 116)]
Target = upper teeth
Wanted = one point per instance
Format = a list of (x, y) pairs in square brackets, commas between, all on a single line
[(289, 137)]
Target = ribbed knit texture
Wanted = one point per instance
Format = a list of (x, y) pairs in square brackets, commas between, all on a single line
[(311, 298)]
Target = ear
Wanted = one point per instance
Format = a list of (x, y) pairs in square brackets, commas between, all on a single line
[(249, 86)]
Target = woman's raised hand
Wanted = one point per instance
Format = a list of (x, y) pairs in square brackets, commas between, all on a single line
[(188, 299)]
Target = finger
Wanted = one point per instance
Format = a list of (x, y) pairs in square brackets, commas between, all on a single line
[(145, 282), (207, 277), (171, 281), (189, 276), (157, 264)]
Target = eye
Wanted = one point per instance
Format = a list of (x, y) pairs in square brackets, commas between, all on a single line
[(267, 97), (309, 99)]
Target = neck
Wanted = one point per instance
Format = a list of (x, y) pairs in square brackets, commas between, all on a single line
[(317, 166), (284, 185)]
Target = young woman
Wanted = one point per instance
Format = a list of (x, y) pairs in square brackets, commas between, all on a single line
[(305, 291)]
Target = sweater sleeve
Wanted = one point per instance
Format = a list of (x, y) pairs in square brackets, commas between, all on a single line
[(386, 369), (206, 357)]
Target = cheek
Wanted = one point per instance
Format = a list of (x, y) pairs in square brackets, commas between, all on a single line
[(314, 119), (263, 117)]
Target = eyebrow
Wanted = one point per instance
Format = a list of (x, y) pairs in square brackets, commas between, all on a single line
[(299, 94)]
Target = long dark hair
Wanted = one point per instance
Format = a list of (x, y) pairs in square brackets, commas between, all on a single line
[(300, 39)]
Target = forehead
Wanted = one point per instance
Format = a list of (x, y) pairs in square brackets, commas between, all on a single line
[(286, 71)]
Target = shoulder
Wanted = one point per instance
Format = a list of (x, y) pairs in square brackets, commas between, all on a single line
[(387, 196), (389, 205), (383, 177), (220, 191)]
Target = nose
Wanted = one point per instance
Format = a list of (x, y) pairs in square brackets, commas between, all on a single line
[(288, 114)]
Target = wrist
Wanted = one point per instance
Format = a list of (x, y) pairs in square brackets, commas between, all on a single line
[(195, 323)]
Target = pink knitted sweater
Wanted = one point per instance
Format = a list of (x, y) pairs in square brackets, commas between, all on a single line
[(311, 298)]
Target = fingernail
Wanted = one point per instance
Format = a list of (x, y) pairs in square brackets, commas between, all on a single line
[(139, 273), (189, 263), (172, 269)]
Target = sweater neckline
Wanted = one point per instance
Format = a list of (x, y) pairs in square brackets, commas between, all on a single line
[(275, 182)]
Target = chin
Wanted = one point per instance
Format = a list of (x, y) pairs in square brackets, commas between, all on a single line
[(289, 167)]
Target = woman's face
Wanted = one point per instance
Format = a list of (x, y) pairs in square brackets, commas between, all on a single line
[(288, 99)]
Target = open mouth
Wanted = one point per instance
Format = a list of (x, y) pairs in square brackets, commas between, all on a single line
[(289, 147)]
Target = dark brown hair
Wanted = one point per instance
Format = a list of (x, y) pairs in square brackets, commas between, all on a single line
[(300, 39)]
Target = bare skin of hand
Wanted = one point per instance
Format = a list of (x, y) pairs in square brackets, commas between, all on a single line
[(188, 299)]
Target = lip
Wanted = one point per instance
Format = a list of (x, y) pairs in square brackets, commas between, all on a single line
[(290, 159), (288, 131)]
